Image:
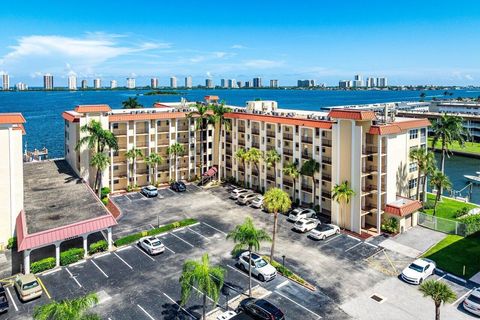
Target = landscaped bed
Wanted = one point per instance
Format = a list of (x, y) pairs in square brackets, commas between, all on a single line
[(447, 208)]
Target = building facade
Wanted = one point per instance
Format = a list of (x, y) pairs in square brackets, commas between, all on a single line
[(5, 82), (48, 81), (257, 82), (154, 83), (173, 82), (97, 83), (209, 83), (131, 83), (188, 82), (72, 82), (273, 83), (84, 84)]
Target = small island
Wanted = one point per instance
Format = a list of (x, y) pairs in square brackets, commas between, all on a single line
[(161, 92)]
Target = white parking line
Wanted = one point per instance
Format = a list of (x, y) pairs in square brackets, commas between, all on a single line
[(51, 271), (335, 237), (201, 235), (462, 297), (168, 249), (11, 299), (298, 304), (353, 237), (124, 248), (353, 247), (99, 268), (151, 226), (191, 245), (242, 273), (282, 284), (444, 275), (201, 292), (191, 315), (74, 278), (214, 228), (102, 255), (123, 260), (372, 245), (148, 256), (148, 314)]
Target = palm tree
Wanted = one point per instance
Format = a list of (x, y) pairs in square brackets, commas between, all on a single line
[(247, 236), (100, 161), (425, 165), (271, 158), (440, 293), (439, 181), (342, 194), (448, 130), (206, 279), (132, 156), (309, 168), (255, 156), (221, 124), (152, 161), (422, 96), (176, 150), (276, 200), (68, 309), (242, 156), (201, 116), (291, 170), (131, 103)]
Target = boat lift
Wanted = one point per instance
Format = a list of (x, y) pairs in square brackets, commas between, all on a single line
[(457, 194)]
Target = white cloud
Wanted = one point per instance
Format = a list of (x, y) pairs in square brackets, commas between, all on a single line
[(238, 46), (263, 64)]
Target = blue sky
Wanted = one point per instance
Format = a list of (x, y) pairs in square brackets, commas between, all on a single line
[(410, 42)]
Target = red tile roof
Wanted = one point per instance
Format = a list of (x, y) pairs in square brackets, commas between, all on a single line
[(352, 114), (402, 209), (399, 126), (11, 118), (93, 108), (145, 116), (67, 115), (160, 105), (282, 120), (213, 98)]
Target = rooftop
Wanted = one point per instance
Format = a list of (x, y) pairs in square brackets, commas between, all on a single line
[(403, 206)]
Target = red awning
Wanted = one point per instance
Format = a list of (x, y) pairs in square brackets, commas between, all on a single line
[(211, 172)]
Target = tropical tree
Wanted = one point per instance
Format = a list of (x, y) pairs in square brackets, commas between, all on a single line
[(200, 114), (68, 309), (99, 161), (440, 293), (206, 279), (153, 160), (425, 166), (422, 96), (439, 181), (309, 168), (276, 200), (132, 155), (217, 117), (291, 169), (131, 103), (271, 158), (175, 150), (242, 156), (447, 130), (342, 194), (246, 236), (254, 156)]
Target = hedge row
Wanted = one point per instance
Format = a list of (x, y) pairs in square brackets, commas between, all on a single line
[(71, 256), (472, 224), (98, 246), (42, 265), (152, 232), (285, 271)]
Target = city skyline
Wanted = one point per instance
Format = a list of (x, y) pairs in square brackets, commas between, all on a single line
[(326, 42)]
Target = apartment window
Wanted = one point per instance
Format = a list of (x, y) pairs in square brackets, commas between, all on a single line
[(115, 153), (115, 181), (209, 133), (115, 168), (115, 126), (413, 134), (209, 145), (370, 177), (317, 132), (317, 149), (279, 129), (412, 183), (324, 149), (412, 167), (324, 134), (296, 129), (210, 157), (423, 132), (370, 158)]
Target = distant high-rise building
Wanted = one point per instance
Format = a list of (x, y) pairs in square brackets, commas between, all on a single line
[(257, 82), (370, 82), (224, 83), (248, 84), (48, 81), (239, 84), (188, 82), (306, 83), (113, 84), (209, 83), (154, 83), (21, 86), (273, 83), (382, 82), (173, 82), (5, 81), (357, 83), (72, 82), (97, 83), (84, 84), (344, 84), (357, 77), (131, 83), (232, 83)]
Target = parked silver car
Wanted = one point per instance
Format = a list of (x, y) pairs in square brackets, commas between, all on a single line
[(246, 198), (149, 191), (152, 245), (237, 192), (257, 202)]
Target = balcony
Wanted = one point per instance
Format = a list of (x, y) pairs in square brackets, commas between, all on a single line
[(163, 142), (241, 129), (369, 150), (255, 131), (369, 188), (367, 208), (163, 129), (326, 142), (307, 188), (306, 155), (182, 140), (183, 128), (288, 183), (270, 134), (288, 152), (241, 142), (288, 136), (270, 177), (142, 131), (228, 164), (327, 194), (119, 132), (307, 139), (228, 137), (327, 160), (228, 150), (326, 177), (141, 144), (369, 169), (256, 145)]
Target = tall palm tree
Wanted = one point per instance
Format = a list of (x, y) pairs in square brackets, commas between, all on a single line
[(206, 279), (448, 130), (221, 123), (309, 168), (291, 169), (271, 158), (200, 114), (342, 194), (99, 161), (254, 156), (131, 103), (175, 150), (425, 165), (276, 200), (439, 181), (440, 293), (68, 309), (132, 155), (246, 236), (242, 156), (153, 160)]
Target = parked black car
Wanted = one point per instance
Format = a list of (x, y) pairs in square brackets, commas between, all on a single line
[(260, 309), (178, 186), (3, 300)]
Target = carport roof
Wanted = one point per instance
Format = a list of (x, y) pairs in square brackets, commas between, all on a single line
[(403, 206)]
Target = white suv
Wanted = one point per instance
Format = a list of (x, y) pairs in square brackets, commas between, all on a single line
[(306, 224), (263, 270), (246, 198), (237, 192), (299, 213)]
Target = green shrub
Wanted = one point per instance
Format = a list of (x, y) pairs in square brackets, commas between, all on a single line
[(128, 239), (317, 208), (428, 205), (461, 212), (12, 243), (71, 256), (129, 188), (105, 192), (42, 265), (105, 201), (98, 246), (472, 224), (390, 225)]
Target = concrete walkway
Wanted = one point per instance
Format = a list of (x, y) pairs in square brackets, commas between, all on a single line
[(400, 248)]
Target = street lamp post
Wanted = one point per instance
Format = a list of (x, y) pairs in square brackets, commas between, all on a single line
[(283, 261)]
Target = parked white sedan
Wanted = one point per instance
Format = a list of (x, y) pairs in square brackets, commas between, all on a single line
[(472, 302), (418, 271), (151, 245), (306, 224), (323, 231)]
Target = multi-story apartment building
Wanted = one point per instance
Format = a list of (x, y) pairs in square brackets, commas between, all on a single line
[(48, 81), (97, 83), (131, 83), (84, 84), (21, 86), (173, 82), (382, 82), (257, 82), (209, 83), (154, 83), (274, 83), (113, 84), (72, 82), (5, 81), (188, 82)]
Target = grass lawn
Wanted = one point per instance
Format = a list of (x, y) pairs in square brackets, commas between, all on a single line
[(447, 208), (472, 147), (454, 252)]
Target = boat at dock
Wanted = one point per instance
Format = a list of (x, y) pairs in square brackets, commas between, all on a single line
[(35, 155), (474, 179)]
